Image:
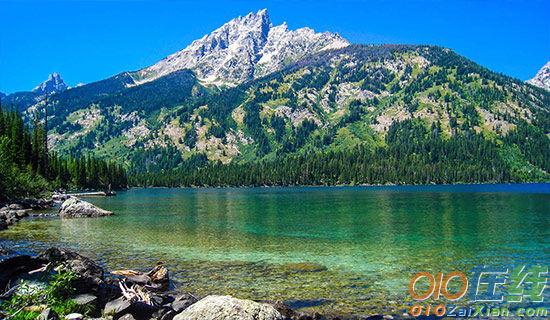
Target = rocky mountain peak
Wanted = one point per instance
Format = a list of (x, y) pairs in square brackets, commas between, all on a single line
[(242, 49), (53, 84), (542, 78)]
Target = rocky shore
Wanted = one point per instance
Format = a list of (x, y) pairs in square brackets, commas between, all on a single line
[(119, 294), (70, 207), (17, 210), (123, 294)]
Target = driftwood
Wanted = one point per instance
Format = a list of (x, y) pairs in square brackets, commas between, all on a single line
[(135, 293), (42, 269), (126, 273)]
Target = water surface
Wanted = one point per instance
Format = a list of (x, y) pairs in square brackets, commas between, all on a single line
[(253, 243)]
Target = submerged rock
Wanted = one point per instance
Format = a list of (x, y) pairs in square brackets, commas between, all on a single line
[(76, 208), (304, 267), (227, 307)]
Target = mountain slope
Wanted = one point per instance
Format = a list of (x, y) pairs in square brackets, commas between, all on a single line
[(374, 114), (243, 49), (329, 102), (542, 78)]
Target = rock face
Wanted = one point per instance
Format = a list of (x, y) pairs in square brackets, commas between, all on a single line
[(90, 274), (226, 307), (54, 84), (542, 78), (243, 49), (76, 208)]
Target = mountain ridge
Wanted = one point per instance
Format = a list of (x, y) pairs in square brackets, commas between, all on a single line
[(242, 49), (331, 101)]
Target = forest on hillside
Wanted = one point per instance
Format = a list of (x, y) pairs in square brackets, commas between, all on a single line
[(413, 154), (29, 169)]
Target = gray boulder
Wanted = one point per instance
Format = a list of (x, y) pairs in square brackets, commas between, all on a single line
[(227, 307), (183, 302), (74, 316), (76, 208), (48, 314), (89, 274), (85, 299), (117, 307)]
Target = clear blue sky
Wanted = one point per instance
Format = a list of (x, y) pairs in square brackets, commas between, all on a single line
[(90, 40)]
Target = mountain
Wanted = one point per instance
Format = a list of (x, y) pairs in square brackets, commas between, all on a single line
[(243, 49), (27, 101), (53, 84), (542, 78), (351, 114)]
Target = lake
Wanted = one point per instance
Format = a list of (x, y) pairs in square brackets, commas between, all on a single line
[(349, 250)]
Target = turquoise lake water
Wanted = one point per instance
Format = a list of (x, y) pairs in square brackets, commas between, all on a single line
[(349, 250)]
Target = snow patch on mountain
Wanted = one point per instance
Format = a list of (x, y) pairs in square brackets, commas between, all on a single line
[(542, 78), (243, 49)]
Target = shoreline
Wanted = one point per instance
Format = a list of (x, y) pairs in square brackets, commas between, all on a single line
[(545, 185), (94, 283), (306, 315)]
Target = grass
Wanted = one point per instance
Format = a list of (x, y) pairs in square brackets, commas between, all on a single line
[(26, 303)]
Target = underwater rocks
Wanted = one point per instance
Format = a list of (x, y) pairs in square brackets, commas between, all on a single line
[(302, 267), (135, 295), (76, 208)]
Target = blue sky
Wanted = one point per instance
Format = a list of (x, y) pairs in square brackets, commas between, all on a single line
[(90, 40)]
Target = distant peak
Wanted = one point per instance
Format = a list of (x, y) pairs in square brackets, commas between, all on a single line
[(242, 49), (542, 78), (53, 84)]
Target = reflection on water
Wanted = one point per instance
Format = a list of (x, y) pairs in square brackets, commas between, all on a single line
[(242, 241)]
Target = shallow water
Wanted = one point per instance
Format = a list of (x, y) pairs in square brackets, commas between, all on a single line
[(246, 242)]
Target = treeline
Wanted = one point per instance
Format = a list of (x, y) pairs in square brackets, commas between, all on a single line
[(413, 154), (28, 168)]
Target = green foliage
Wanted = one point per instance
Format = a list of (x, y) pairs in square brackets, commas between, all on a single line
[(29, 170), (413, 155), (55, 295), (344, 144)]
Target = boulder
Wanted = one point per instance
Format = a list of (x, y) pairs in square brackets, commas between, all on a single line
[(85, 299), (48, 314), (227, 307), (164, 314), (127, 316), (12, 267), (183, 302), (117, 307), (90, 275), (76, 208), (74, 316), (15, 206), (21, 213)]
